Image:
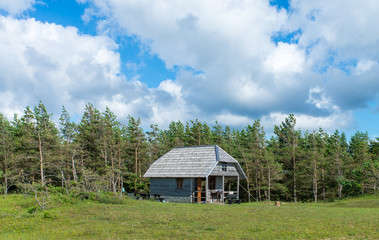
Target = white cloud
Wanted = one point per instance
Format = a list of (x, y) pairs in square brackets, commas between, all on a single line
[(229, 43), (364, 66), (172, 88), (338, 120), (348, 29), (8, 106), (243, 73), (15, 7), (55, 64), (230, 69), (319, 98), (232, 120), (168, 104), (285, 58)]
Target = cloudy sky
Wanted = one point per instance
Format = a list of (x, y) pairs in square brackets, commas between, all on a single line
[(231, 61)]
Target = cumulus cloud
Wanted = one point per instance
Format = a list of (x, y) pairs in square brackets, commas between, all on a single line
[(285, 58), (237, 71), (364, 66), (308, 122), (232, 120), (56, 64), (16, 7), (8, 105), (319, 98), (230, 68)]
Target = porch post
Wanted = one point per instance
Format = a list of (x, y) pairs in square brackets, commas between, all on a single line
[(238, 186), (223, 189), (192, 196), (206, 190), (198, 190)]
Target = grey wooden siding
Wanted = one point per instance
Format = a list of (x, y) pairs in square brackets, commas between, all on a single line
[(231, 170), (166, 187)]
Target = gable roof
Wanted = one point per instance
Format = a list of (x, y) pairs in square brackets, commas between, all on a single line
[(196, 161)]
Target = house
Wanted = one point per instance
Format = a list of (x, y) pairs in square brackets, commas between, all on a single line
[(195, 174)]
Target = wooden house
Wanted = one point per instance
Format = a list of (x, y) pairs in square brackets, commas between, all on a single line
[(195, 174)]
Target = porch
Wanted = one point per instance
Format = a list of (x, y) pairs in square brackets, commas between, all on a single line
[(214, 189)]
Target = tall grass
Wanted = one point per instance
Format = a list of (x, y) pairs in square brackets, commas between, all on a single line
[(138, 219)]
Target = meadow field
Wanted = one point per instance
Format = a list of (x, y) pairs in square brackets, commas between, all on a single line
[(111, 218)]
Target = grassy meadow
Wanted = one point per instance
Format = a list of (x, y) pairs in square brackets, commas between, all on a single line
[(143, 219)]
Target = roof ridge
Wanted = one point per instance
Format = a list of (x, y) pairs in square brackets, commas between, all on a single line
[(197, 146), (217, 153)]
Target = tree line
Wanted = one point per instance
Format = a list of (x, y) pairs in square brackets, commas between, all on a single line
[(100, 153)]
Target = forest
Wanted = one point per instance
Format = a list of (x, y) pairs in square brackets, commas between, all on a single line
[(101, 154)]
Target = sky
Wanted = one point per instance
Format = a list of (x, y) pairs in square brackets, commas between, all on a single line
[(230, 61)]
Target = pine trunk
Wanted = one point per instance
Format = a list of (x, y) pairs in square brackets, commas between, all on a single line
[(323, 185), (269, 185), (41, 160), (315, 184), (136, 163), (74, 175), (247, 180), (294, 174)]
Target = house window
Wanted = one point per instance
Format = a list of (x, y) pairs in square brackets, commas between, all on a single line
[(224, 167), (179, 183)]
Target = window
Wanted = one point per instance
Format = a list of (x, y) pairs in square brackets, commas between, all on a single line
[(224, 167), (179, 183)]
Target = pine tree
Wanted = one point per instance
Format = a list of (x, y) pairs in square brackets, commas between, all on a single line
[(89, 139), (314, 165), (216, 134), (359, 150), (136, 138), (289, 139), (336, 153), (153, 138), (373, 165), (70, 147), (273, 174), (8, 172), (256, 150), (111, 148), (39, 134)]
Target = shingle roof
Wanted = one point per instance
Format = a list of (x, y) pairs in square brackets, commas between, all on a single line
[(191, 162)]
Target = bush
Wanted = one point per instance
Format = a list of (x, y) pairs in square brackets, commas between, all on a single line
[(31, 210), (47, 214), (57, 190)]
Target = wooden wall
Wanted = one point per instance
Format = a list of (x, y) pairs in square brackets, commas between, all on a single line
[(166, 187), (230, 170)]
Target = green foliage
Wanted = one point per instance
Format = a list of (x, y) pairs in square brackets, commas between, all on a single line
[(101, 154), (49, 215), (31, 210)]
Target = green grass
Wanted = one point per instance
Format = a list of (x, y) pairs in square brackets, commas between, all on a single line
[(133, 219)]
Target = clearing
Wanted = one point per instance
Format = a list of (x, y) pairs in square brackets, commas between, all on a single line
[(142, 219)]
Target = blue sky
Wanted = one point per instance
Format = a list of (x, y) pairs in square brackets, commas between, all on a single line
[(225, 61)]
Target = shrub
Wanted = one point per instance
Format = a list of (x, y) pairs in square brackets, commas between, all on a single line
[(47, 214), (31, 210)]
